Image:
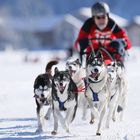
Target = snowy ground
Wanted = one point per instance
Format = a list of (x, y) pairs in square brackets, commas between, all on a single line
[(17, 106)]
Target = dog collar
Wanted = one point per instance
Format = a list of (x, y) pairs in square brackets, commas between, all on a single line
[(91, 81)]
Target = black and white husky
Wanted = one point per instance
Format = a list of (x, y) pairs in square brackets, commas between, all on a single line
[(78, 75), (97, 91), (42, 93), (64, 98)]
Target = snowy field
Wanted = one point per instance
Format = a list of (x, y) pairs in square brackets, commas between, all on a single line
[(17, 106)]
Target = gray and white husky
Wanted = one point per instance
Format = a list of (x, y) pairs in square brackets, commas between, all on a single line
[(114, 91), (123, 89), (64, 99)]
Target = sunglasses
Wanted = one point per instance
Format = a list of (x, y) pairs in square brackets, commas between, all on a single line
[(100, 17)]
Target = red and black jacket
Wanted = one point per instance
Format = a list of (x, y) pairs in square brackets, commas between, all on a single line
[(112, 31)]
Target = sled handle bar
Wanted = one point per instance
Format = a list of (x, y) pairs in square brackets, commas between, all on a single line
[(92, 48), (100, 39), (119, 39)]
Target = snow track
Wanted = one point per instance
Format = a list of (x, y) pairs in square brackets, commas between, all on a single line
[(17, 106)]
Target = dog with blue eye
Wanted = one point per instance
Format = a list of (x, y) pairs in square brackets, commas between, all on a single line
[(42, 94)]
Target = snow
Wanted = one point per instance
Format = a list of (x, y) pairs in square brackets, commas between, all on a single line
[(17, 106)]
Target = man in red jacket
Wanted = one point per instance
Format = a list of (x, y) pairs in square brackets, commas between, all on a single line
[(103, 29)]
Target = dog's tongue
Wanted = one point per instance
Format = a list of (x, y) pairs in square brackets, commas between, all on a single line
[(94, 74), (71, 72), (61, 88)]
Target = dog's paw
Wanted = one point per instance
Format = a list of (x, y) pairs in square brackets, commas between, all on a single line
[(39, 130), (47, 117), (98, 134), (114, 119), (54, 132), (119, 109), (92, 121)]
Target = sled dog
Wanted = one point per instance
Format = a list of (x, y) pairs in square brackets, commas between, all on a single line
[(64, 99), (42, 93), (78, 74), (97, 91)]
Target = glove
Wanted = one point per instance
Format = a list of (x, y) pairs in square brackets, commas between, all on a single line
[(114, 45), (118, 46)]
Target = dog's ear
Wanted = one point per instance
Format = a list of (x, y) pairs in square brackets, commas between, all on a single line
[(90, 58), (114, 64), (56, 70), (99, 55), (78, 61)]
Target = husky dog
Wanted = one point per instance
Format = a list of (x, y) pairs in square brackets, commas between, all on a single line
[(113, 86), (64, 98), (78, 74), (117, 91), (42, 92), (122, 86), (97, 91)]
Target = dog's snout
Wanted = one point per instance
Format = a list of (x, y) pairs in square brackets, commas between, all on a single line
[(61, 84), (70, 67), (96, 70), (42, 95)]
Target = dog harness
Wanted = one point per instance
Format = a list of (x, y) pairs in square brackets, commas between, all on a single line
[(61, 104), (95, 95)]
